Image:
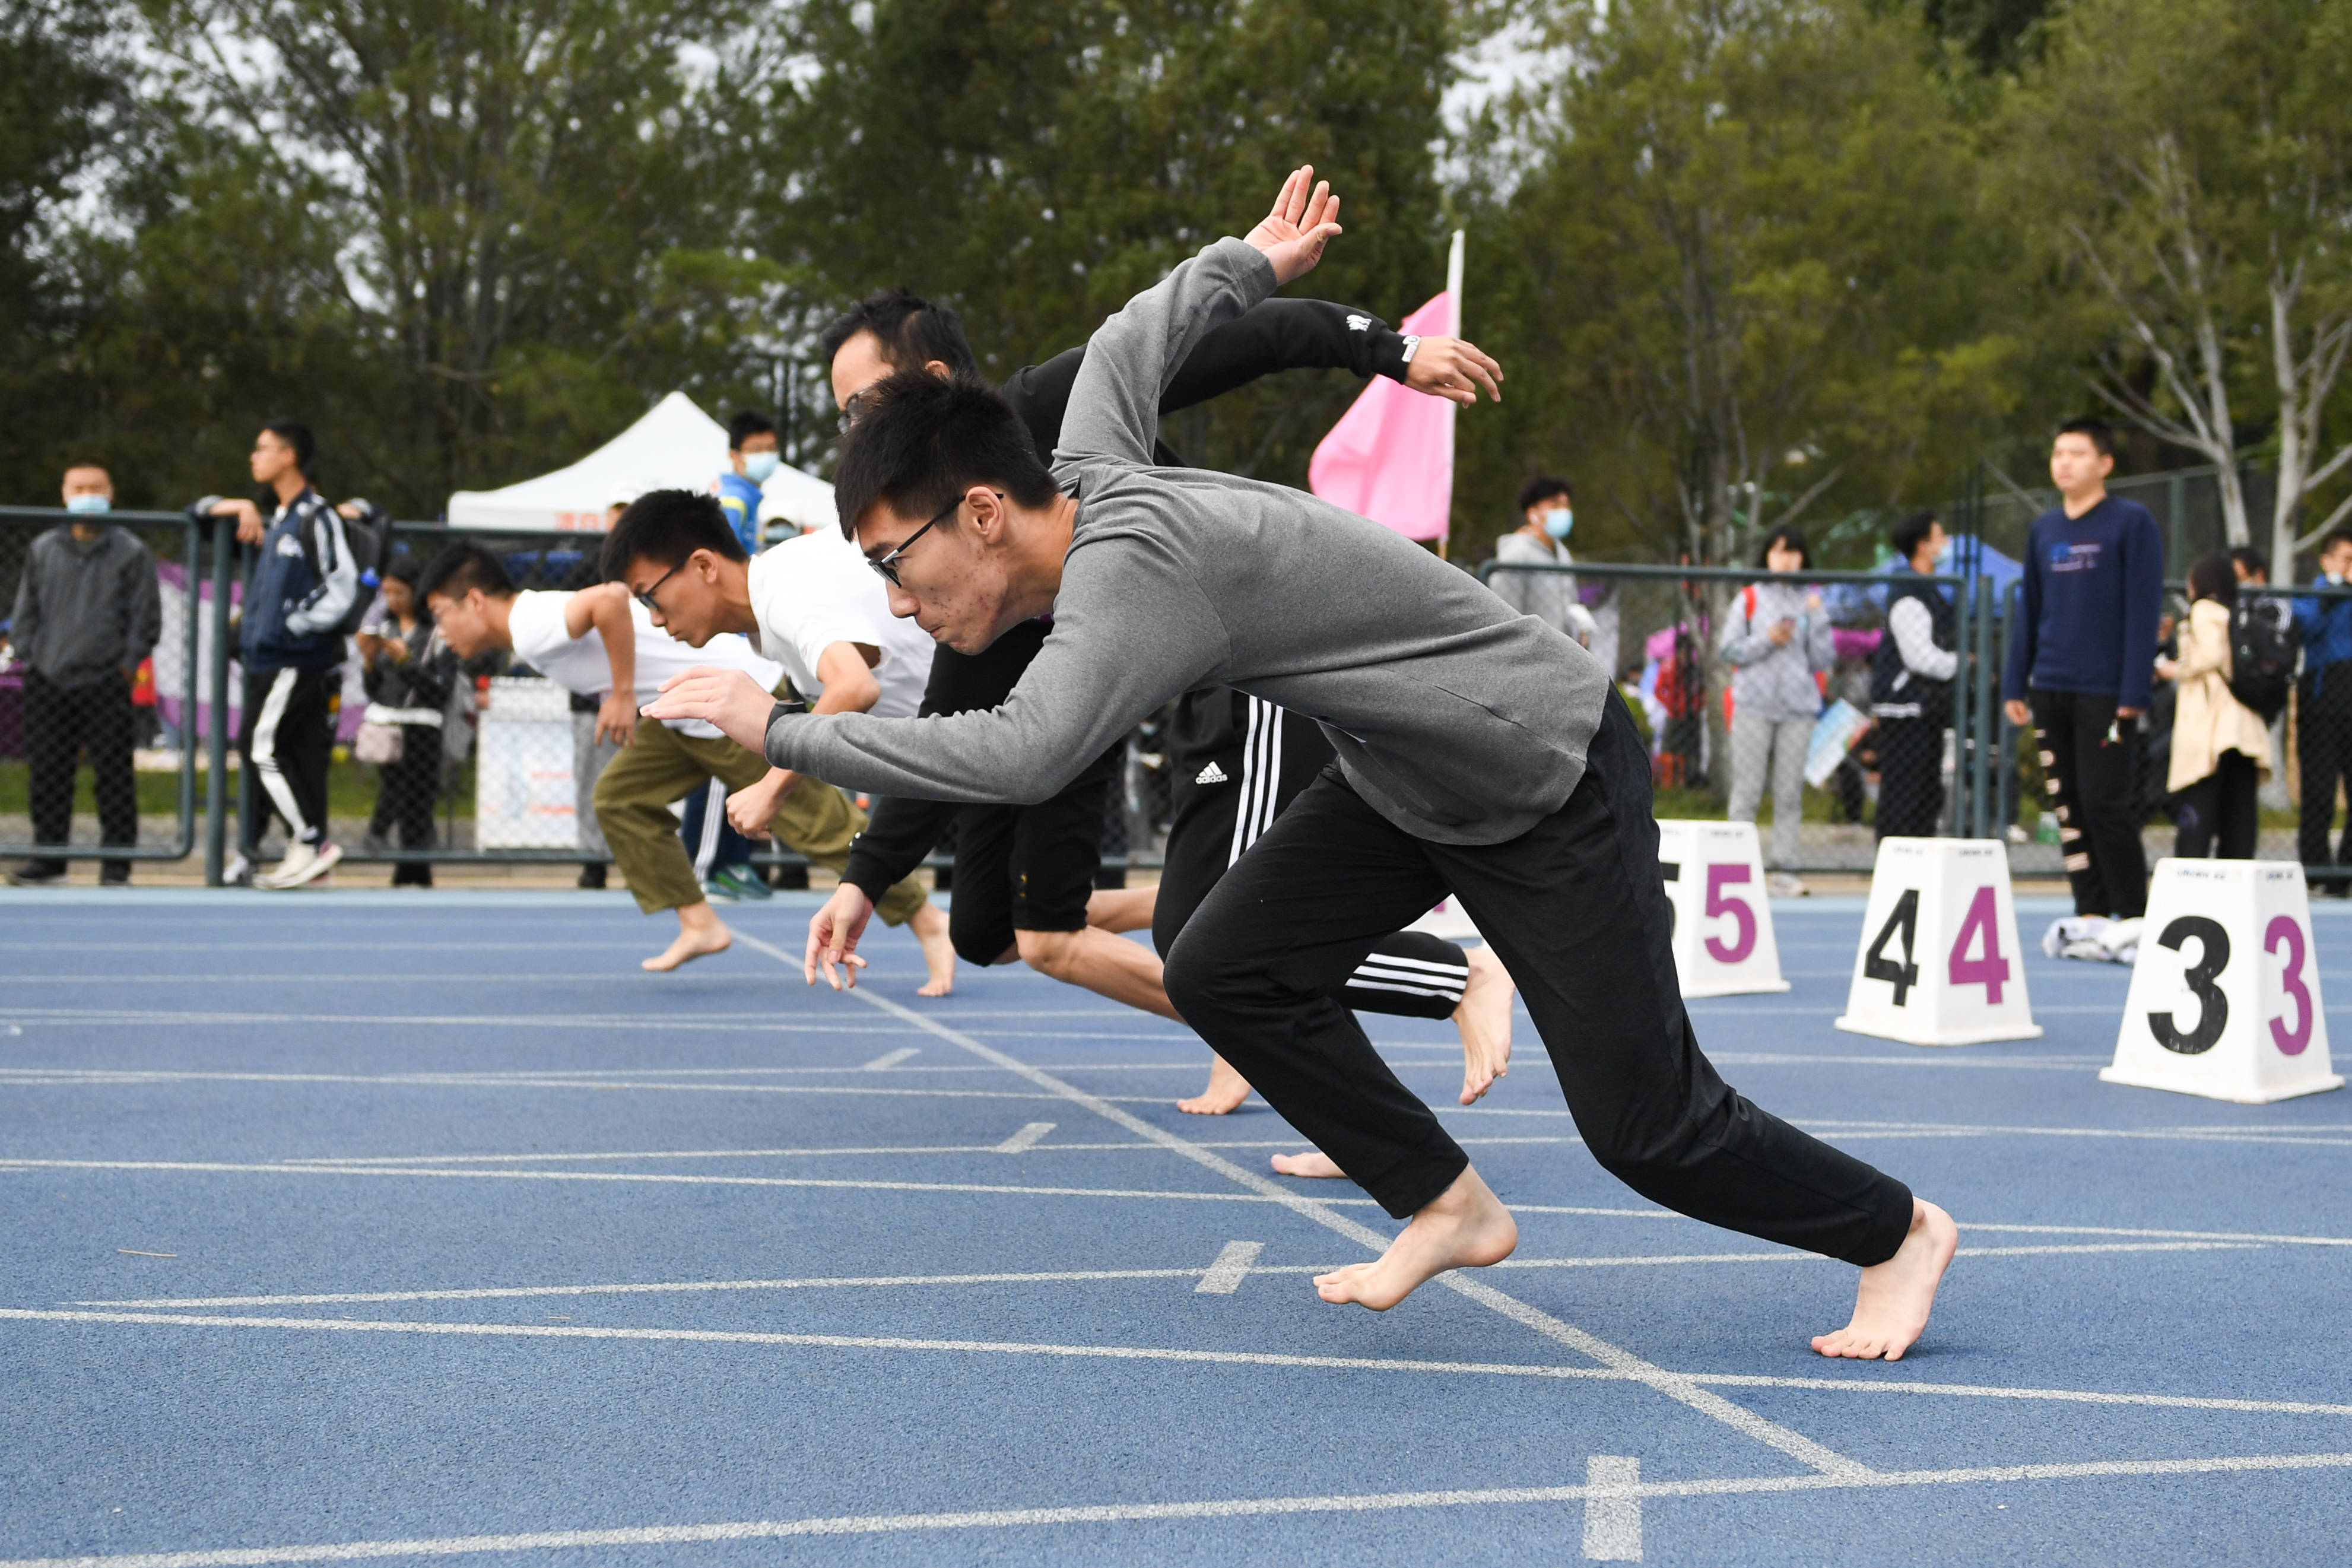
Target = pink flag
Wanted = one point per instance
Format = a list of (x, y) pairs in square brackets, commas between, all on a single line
[(1391, 457)]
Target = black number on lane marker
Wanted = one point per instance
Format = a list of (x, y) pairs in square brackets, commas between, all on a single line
[(2212, 1007), (1876, 965)]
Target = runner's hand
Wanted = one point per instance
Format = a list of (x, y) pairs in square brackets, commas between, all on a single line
[(729, 698), (616, 718), (1304, 218), (833, 938), (1453, 369)]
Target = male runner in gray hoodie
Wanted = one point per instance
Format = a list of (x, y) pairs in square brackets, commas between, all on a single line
[(1477, 749)]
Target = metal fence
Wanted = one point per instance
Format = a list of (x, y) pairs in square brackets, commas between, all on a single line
[(1661, 629)]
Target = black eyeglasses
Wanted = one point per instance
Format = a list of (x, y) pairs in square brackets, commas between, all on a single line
[(888, 565), (647, 598), (851, 408)]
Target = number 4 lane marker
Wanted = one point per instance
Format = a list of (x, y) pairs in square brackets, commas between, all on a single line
[(1938, 961)]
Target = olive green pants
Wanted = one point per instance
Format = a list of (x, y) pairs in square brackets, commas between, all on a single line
[(632, 797)]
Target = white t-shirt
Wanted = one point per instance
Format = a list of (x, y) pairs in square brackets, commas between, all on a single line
[(814, 591), (579, 665)]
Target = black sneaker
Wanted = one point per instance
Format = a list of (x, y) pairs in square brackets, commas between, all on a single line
[(115, 879), (37, 874), (592, 875)]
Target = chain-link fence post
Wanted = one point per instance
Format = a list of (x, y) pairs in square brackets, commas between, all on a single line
[(216, 806)]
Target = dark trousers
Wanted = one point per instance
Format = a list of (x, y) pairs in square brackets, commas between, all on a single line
[(404, 794), (1576, 911), (1257, 773), (2220, 808), (1910, 777), (285, 735), (2323, 747), (2091, 781), (60, 722)]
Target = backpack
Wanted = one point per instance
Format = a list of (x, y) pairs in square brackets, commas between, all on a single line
[(2264, 646), (364, 536)]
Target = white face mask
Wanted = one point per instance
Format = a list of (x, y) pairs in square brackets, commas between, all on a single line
[(86, 503), (2334, 579), (759, 465), (1559, 521)]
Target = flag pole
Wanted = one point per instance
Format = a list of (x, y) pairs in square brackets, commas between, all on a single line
[(1452, 292)]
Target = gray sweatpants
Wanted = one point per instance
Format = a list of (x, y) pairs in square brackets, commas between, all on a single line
[(1761, 745)]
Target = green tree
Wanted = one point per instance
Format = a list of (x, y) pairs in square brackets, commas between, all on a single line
[(1741, 273), (1035, 163), (2187, 168)]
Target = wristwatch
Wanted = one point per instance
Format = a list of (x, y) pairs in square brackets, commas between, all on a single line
[(1411, 347)]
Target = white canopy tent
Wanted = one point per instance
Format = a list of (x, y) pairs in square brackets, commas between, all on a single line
[(675, 445)]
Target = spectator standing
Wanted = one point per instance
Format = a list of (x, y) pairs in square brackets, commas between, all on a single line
[(407, 674), (753, 455), (87, 615), (304, 579), (1776, 640), (2082, 663), (1547, 516), (2322, 725), (1911, 685), (2220, 747)]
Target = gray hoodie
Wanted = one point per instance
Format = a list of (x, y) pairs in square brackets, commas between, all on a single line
[(1769, 680), (1458, 719)]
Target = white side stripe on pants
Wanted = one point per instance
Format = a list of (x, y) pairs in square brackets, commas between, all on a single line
[(1413, 976), (714, 817), (265, 755), (1261, 781)]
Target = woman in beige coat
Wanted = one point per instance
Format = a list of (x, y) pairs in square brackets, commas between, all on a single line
[(2220, 747)]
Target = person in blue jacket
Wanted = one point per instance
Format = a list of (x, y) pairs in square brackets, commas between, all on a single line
[(2323, 724), (304, 579), (2082, 665)]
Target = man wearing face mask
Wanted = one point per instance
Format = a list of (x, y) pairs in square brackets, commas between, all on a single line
[(87, 613), (1546, 517)]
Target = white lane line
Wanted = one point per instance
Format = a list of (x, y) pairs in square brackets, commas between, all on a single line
[(2257, 1236), (1612, 1509), (1025, 1139), (1233, 1266), (884, 1062), (659, 1178), (889, 1148), (1123, 1513), (1859, 1382), (1323, 1213), (1605, 1260), (436, 1020), (39, 1077)]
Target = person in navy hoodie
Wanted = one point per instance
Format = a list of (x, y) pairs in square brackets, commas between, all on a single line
[(2082, 663), (304, 579)]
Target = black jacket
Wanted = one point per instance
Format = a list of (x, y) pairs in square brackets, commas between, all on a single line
[(1278, 335)]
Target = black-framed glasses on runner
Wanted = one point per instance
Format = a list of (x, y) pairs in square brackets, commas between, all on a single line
[(887, 565), (647, 598)]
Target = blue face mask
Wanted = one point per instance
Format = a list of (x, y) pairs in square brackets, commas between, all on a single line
[(87, 503), (759, 465), (1558, 520)]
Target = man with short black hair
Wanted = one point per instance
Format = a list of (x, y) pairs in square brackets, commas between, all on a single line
[(808, 606), (88, 612), (2322, 723), (2082, 667), (1546, 515), (1025, 872), (1477, 751), (304, 578), (1911, 684), (2250, 564)]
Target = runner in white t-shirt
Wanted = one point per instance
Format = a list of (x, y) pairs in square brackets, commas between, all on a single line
[(597, 643)]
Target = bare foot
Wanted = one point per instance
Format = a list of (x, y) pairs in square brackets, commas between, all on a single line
[(930, 928), (1465, 1226), (1890, 1305), (1226, 1090), (1313, 1162), (1485, 1020), (700, 933)]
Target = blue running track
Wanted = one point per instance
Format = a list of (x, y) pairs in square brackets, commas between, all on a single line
[(355, 1225)]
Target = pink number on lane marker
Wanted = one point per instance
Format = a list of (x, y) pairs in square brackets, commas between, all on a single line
[(1743, 918), (2290, 1042), (1990, 970)]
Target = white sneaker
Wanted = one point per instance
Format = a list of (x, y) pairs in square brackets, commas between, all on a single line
[(1784, 885), (303, 863), (237, 873), (2120, 940)]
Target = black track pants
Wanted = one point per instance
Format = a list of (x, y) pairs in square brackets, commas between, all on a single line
[(61, 723), (2091, 779), (1231, 782), (1576, 910)]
